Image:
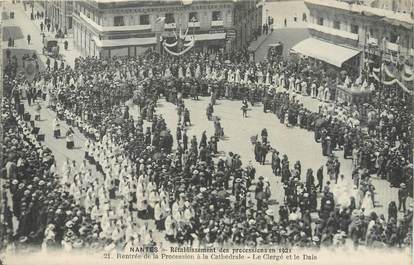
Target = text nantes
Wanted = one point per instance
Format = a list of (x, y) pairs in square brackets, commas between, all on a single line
[(144, 249)]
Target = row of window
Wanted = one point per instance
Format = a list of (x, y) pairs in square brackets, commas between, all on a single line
[(169, 18), (337, 25), (393, 36)]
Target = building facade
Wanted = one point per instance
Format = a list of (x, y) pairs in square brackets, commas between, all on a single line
[(406, 6), (247, 19), (363, 28), (127, 28), (60, 14)]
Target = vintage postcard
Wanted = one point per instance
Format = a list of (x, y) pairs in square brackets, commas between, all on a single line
[(210, 132)]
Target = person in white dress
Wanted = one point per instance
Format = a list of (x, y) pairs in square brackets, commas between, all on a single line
[(326, 94), (169, 227), (320, 92), (367, 204), (313, 90)]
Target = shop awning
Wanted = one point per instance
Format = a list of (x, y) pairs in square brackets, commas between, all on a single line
[(124, 42), (325, 51)]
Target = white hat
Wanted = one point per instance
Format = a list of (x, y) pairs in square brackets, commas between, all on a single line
[(269, 212)]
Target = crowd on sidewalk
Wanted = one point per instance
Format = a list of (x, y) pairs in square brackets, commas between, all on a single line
[(191, 198)]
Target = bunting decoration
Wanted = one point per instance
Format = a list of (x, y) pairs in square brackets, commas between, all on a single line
[(180, 38), (191, 45), (392, 82)]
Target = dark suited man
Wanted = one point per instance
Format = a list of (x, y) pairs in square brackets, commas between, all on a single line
[(319, 176)]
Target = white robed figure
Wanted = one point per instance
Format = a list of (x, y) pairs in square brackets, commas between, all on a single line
[(80, 80), (117, 76), (291, 84), (304, 88), (72, 81), (169, 225), (180, 72), (342, 192), (260, 77), (167, 72), (282, 79), (372, 87), (354, 88), (326, 94), (237, 78), (141, 72), (313, 90), (275, 79), (214, 74), (188, 72), (367, 203), (128, 75), (208, 72), (320, 92), (222, 75), (230, 76), (364, 86), (246, 77), (267, 82), (347, 81), (150, 73), (358, 81), (197, 73)]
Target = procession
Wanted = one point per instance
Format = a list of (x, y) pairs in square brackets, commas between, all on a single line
[(143, 179)]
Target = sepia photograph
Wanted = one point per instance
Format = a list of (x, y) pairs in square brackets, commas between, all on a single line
[(207, 131)]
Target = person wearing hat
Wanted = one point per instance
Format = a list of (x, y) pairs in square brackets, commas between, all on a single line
[(56, 128), (70, 138), (276, 163), (319, 176), (38, 108), (170, 226), (402, 197)]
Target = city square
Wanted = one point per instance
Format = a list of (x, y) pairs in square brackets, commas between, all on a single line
[(206, 124)]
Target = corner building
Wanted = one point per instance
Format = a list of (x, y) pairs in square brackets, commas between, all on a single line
[(107, 28)]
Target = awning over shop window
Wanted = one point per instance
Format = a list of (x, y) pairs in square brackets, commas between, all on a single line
[(325, 51), (124, 42)]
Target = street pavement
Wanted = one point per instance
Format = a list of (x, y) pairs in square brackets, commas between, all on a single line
[(297, 143), (32, 27), (288, 10), (289, 35)]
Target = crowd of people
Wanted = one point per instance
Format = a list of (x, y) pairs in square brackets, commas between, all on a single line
[(137, 186)]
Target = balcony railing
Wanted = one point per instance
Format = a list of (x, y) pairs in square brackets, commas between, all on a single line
[(114, 28), (372, 41), (217, 23), (126, 28), (392, 46), (194, 24), (332, 31), (170, 25)]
